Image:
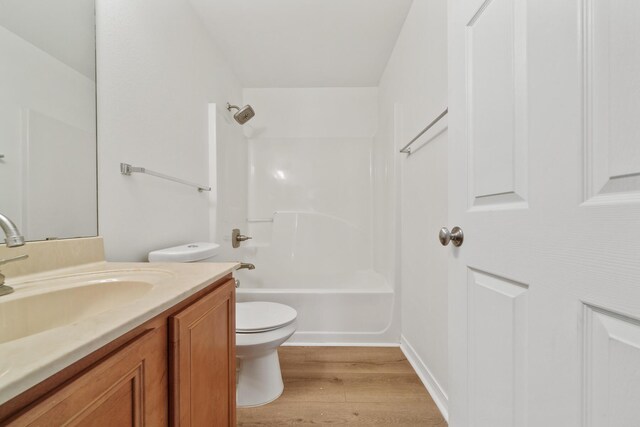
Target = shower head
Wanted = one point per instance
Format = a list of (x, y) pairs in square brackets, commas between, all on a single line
[(243, 115)]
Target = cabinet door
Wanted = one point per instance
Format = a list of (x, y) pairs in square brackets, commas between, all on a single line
[(202, 351), (128, 388)]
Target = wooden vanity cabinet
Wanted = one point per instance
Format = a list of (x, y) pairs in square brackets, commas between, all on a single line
[(177, 369), (126, 389), (203, 363)]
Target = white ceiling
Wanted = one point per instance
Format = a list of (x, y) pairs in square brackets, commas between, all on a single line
[(305, 43), (65, 29)]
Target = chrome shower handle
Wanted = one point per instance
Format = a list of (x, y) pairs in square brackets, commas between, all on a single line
[(236, 238)]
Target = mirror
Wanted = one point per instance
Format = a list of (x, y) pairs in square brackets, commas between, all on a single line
[(48, 117)]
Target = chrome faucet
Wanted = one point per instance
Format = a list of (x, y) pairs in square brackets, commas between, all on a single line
[(246, 265), (4, 289), (13, 238)]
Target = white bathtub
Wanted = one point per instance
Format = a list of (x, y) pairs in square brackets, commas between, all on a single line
[(319, 265), (346, 314)]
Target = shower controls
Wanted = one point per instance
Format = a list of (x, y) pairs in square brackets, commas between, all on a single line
[(236, 238), (455, 236)]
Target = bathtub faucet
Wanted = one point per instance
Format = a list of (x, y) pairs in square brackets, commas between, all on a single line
[(246, 265)]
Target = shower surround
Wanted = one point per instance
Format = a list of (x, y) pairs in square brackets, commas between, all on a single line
[(310, 213)]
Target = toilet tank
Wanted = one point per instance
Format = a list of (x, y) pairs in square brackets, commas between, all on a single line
[(191, 252)]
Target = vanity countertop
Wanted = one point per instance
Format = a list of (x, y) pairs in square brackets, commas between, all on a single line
[(148, 289)]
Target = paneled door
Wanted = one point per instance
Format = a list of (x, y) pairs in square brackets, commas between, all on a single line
[(544, 181)]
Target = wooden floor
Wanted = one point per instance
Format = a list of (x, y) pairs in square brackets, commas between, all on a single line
[(346, 386)]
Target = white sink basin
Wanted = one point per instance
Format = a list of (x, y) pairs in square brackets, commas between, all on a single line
[(39, 306)]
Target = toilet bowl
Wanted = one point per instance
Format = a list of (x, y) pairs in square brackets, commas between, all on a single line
[(261, 327)]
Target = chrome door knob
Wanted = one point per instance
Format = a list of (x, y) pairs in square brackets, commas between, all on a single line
[(455, 236)]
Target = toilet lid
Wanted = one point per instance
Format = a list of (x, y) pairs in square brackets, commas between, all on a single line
[(263, 316), (191, 252)]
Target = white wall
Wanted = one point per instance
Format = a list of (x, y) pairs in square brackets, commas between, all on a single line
[(158, 70), (413, 91), (313, 112), (230, 167), (47, 118)]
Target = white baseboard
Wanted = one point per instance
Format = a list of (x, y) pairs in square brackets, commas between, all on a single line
[(339, 344), (385, 338), (435, 390)]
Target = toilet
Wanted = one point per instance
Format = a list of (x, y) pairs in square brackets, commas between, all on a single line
[(261, 327)]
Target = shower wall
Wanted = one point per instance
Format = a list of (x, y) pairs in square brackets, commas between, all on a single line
[(310, 213), (310, 154)]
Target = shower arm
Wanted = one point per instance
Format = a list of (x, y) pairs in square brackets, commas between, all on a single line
[(230, 107)]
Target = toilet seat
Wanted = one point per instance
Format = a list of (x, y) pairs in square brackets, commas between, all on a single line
[(257, 317), (264, 341)]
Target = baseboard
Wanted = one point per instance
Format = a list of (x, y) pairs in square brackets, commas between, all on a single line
[(438, 395), (385, 338), (339, 344)]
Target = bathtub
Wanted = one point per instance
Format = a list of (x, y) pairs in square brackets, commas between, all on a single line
[(358, 310), (319, 265)]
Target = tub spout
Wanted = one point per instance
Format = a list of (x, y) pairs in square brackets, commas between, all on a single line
[(246, 265)]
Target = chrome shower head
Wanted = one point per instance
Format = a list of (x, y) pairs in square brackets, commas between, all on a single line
[(243, 115)]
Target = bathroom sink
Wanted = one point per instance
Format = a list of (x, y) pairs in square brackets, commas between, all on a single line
[(48, 304)]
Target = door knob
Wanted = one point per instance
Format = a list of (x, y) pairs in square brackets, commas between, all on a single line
[(455, 236)]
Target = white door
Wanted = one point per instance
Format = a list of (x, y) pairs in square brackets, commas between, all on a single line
[(544, 170)]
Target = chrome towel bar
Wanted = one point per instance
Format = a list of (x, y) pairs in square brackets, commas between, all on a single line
[(406, 148), (127, 169)]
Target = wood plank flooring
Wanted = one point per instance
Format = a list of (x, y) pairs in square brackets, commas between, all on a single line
[(346, 386)]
